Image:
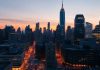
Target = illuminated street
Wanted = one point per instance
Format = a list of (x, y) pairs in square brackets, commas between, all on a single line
[(25, 63), (33, 63), (67, 66)]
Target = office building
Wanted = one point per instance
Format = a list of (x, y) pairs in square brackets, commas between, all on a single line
[(88, 30), (96, 33), (79, 28)]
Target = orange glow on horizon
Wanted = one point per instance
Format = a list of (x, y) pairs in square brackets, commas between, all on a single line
[(32, 24), (24, 24)]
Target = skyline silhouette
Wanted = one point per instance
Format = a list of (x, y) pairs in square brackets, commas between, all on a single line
[(26, 12), (45, 41)]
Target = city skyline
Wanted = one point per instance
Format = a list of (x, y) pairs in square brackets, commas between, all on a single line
[(49, 35), (26, 12)]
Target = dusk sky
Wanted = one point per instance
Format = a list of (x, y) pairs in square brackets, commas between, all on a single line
[(24, 12)]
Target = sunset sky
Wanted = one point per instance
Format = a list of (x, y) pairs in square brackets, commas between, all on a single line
[(24, 12)]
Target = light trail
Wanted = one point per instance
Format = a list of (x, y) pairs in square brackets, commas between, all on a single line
[(25, 63)]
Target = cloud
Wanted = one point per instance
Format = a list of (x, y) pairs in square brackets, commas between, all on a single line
[(13, 20)]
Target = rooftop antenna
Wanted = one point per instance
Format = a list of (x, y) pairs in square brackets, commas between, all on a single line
[(62, 3)]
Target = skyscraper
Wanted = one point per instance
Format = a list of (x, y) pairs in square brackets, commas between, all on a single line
[(62, 21), (69, 34), (88, 30), (96, 32), (37, 26), (62, 16), (48, 26), (79, 29)]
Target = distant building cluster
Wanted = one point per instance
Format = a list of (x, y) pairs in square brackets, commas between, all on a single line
[(13, 45), (78, 46)]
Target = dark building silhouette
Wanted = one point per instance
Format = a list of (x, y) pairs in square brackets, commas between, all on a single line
[(19, 33), (38, 36), (88, 30), (48, 26), (12, 38), (81, 56), (51, 62), (69, 34), (37, 26), (62, 22), (79, 29), (38, 33), (96, 33), (57, 37), (28, 33), (1, 35), (8, 30)]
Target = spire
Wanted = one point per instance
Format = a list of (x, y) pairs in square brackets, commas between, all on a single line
[(62, 3)]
